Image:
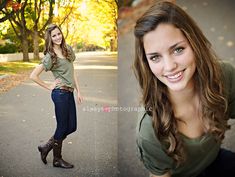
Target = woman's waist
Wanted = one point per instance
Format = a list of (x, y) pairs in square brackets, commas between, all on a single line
[(68, 82), (64, 88)]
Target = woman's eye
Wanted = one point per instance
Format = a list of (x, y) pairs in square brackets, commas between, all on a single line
[(178, 50), (155, 58)]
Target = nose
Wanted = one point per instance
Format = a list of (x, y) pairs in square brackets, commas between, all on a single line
[(169, 63), (57, 36)]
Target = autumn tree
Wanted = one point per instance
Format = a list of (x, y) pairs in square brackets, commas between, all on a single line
[(18, 23), (83, 22), (103, 15), (5, 14), (40, 14), (112, 20), (90, 22), (66, 15)]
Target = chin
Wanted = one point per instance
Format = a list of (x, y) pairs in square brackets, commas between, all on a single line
[(176, 88), (57, 44)]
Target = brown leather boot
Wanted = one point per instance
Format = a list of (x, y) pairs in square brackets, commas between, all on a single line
[(45, 149), (58, 161)]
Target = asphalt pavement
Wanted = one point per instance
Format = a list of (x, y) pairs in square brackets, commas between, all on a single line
[(27, 119)]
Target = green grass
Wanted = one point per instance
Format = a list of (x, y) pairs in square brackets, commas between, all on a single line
[(15, 67)]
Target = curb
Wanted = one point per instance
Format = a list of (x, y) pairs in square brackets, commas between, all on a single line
[(4, 76)]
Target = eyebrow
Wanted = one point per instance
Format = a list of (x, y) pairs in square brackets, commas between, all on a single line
[(170, 48), (56, 34)]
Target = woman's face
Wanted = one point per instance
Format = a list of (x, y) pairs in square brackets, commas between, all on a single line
[(170, 57), (56, 36)]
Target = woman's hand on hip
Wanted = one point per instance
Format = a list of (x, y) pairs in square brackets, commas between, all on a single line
[(53, 85)]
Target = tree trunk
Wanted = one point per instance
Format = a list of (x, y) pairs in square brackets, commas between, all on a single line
[(25, 49), (35, 45), (113, 44)]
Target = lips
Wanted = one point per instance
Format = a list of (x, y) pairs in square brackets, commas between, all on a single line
[(175, 77)]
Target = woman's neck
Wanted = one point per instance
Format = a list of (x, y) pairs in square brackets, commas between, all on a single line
[(56, 47), (186, 105), (186, 96)]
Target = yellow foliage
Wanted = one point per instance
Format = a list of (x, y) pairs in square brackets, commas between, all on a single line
[(88, 22)]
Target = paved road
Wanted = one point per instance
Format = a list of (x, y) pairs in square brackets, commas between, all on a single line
[(216, 18), (27, 119)]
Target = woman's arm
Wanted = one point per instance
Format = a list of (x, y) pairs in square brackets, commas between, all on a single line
[(35, 77), (165, 175), (79, 97)]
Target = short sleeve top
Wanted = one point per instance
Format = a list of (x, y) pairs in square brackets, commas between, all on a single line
[(201, 151), (229, 80), (63, 70)]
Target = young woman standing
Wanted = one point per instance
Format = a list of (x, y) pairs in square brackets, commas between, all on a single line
[(59, 59)]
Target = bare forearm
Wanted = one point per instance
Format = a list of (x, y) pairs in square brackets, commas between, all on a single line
[(35, 77), (41, 83), (76, 82)]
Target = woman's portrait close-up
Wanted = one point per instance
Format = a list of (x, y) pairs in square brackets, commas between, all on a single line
[(188, 94)]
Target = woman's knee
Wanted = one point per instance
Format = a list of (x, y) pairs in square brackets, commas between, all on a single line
[(72, 129)]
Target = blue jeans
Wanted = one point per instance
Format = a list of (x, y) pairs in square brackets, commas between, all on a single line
[(65, 111), (223, 166)]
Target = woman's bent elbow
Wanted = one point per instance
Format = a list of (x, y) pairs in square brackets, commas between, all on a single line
[(32, 77)]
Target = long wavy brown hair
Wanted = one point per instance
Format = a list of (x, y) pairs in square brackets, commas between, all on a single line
[(207, 79), (49, 45)]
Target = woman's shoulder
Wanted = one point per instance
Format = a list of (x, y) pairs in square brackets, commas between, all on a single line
[(228, 72), (47, 61), (145, 128), (150, 150), (227, 68), (47, 56), (69, 47)]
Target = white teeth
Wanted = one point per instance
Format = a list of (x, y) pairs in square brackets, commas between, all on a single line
[(175, 76)]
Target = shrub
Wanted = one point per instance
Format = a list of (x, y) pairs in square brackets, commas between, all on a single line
[(8, 48)]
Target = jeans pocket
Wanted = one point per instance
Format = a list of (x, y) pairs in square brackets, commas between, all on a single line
[(59, 96)]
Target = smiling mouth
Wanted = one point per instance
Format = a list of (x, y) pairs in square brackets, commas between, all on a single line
[(175, 77)]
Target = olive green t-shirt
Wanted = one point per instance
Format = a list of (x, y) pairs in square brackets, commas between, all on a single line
[(201, 151), (63, 70)]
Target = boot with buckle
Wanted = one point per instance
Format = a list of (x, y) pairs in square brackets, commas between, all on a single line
[(58, 161)]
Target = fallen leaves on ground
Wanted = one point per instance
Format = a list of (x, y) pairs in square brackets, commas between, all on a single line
[(11, 81)]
